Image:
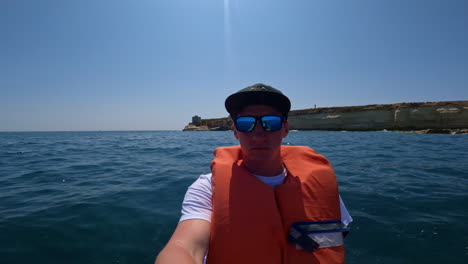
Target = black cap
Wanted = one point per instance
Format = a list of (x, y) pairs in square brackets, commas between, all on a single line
[(258, 94)]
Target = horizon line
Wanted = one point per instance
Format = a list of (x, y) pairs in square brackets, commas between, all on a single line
[(99, 130)]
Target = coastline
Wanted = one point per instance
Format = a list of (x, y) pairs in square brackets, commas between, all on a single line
[(449, 117)]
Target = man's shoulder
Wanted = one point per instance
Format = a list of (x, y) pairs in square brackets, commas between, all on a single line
[(203, 181), (205, 177)]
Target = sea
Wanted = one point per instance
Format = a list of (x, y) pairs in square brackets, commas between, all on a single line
[(115, 197)]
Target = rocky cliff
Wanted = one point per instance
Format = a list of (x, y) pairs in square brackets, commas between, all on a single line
[(404, 116), (434, 116), (214, 124)]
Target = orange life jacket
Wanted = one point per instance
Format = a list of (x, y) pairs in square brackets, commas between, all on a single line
[(251, 221)]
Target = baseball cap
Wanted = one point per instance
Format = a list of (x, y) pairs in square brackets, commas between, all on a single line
[(258, 94)]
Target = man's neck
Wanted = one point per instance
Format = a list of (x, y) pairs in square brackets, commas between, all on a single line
[(264, 167)]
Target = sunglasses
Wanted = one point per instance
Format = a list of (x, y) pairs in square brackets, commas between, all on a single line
[(248, 123)]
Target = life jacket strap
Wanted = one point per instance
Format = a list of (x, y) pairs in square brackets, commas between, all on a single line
[(313, 235)]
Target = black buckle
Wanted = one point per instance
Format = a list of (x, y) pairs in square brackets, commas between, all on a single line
[(307, 243)]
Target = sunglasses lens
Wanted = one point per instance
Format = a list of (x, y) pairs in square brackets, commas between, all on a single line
[(271, 123), (245, 123)]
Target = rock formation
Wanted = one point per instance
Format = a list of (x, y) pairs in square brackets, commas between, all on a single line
[(404, 116), (214, 124), (433, 117)]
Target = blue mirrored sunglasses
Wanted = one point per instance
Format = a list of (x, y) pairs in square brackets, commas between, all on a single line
[(248, 123)]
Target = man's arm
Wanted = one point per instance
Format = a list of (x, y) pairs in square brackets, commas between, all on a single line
[(188, 244)]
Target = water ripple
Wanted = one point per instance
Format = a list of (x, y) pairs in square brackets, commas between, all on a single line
[(115, 196)]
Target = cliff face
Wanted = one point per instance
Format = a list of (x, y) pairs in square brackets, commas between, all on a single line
[(406, 116), (218, 123), (192, 127), (403, 116)]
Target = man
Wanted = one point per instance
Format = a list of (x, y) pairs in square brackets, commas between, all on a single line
[(263, 202)]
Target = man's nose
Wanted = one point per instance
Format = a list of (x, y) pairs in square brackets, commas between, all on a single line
[(258, 128)]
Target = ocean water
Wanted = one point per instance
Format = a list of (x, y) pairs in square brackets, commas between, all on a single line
[(114, 197)]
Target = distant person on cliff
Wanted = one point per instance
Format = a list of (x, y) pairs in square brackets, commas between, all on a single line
[(262, 202)]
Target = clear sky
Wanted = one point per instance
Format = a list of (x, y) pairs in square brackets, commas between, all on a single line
[(153, 64)]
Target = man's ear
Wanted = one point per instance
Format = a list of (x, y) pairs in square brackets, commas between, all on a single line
[(286, 128)]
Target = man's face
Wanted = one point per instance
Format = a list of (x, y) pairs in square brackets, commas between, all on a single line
[(260, 144)]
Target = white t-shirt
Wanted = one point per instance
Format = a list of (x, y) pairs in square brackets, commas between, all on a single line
[(197, 201)]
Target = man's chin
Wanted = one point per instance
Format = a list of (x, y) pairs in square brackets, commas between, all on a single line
[(260, 149), (260, 153)]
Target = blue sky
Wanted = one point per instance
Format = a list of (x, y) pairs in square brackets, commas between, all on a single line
[(153, 64)]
